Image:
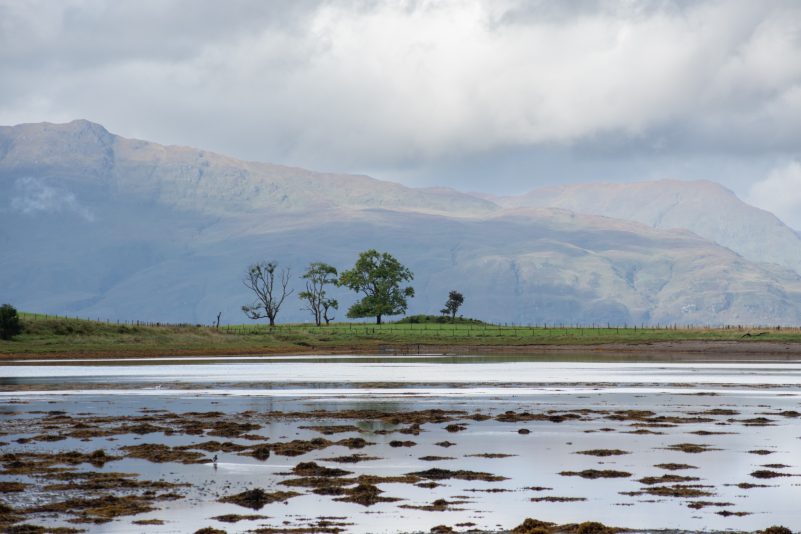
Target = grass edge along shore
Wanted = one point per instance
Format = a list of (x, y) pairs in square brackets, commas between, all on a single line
[(52, 337)]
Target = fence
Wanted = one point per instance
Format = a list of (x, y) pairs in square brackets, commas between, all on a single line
[(443, 329)]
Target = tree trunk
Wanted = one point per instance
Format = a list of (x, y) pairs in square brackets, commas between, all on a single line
[(377, 319), (272, 321)]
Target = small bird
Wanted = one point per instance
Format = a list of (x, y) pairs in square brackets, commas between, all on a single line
[(214, 460)]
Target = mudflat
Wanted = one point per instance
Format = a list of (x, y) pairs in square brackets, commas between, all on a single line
[(240, 446)]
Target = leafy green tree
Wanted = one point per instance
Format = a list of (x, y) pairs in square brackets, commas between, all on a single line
[(9, 322), (378, 276), (270, 288), (455, 301), (318, 276)]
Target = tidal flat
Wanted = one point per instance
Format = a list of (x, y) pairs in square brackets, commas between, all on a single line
[(340, 444)]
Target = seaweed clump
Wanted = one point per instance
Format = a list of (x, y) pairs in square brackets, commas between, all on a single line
[(675, 467), (440, 505), (766, 473), (596, 473), (666, 479), (159, 453), (257, 498), (691, 448), (365, 494), (233, 518), (603, 452), (532, 526), (311, 469), (103, 509), (535, 526), (443, 474)]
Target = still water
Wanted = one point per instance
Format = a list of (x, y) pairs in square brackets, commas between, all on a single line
[(490, 386)]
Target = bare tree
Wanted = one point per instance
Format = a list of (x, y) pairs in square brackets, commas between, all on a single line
[(270, 289)]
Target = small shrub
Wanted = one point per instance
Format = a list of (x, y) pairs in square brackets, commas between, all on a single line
[(437, 319), (9, 322)]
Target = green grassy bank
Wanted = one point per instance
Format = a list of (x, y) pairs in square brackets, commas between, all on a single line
[(48, 336)]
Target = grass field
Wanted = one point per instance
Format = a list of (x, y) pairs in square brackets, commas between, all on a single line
[(48, 335)]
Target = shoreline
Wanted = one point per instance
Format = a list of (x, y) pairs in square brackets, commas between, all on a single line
[(670, 350)]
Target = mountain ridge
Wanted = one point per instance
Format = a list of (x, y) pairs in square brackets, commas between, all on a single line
[(103, 226), (172, 171), (701, 206)]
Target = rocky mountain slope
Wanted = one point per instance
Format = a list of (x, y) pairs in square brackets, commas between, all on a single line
[(92, 224), (84, 153), (703, 207)]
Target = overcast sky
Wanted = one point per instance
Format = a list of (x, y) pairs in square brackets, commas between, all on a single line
[(498, 96)]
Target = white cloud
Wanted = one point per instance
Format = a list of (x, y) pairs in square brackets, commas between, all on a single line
[(780, 193), (353, 84), (36, 197)]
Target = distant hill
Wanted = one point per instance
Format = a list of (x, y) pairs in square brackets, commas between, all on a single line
[(96, 225), (703, 207), (84, 153)]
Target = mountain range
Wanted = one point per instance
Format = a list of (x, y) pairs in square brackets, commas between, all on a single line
[(97, 225)]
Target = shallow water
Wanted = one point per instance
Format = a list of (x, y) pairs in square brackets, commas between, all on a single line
[(492, 388), (387, 370)]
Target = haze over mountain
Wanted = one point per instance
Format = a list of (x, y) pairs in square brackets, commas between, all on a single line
[(706, 208), (93, 224)]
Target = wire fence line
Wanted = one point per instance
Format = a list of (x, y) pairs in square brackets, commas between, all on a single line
[(444, 329)]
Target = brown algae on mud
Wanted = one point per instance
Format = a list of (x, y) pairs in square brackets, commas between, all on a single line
[(439, 505), (691, 448), (675, 467), (365, 494), (103, 509), (666, 479), (257, 498), (235, 518), (676, 490), (596, 473), (552, 498), (491, 455), (351, 458), (443, 474), (160, 453), (603, 452), (341, 485), (535, 526)]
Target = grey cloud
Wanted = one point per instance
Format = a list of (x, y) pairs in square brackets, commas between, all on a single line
[(74, 34), (362, 85)]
